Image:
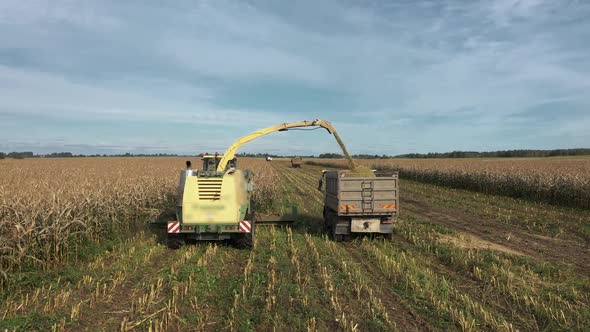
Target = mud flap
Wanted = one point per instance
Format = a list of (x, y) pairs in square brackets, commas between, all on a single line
[(386, 228), (342, 227)]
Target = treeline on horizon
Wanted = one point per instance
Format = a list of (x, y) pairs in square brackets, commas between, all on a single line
[(453, 154), (472, 154), (500, 154), (28, 154)]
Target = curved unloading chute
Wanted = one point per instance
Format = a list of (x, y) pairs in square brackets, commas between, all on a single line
[(230, 153)]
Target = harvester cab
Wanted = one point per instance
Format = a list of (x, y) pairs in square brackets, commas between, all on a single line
[(211, 162), (215, 203)]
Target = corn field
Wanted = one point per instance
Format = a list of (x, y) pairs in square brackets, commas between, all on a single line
[(78, 255), (559, 181), (49, 208)]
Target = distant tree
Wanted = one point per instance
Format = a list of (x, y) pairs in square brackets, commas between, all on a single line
[(2, 155), (20, 155), (60, 155), (331, 155)]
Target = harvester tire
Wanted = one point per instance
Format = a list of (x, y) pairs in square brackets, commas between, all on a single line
[(175, 242), (246, 240)]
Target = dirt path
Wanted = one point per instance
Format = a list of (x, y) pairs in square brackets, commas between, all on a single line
[(305, 181), (434, 291), (107, 311), (501, 236)]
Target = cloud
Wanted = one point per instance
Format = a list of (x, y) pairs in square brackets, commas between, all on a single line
[(25, 13), (504, 11), (240, 62), (383, 71), (57, 97)]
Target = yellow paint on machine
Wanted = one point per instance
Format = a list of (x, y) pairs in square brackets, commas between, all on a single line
[(214, 200)]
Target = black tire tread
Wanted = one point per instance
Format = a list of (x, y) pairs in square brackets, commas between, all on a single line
[(175, 242), (246, 240)]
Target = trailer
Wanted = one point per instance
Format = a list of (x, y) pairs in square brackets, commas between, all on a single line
[(296, 162), (359, 205)]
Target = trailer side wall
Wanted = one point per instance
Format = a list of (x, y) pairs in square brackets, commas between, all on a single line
[(361, 196)]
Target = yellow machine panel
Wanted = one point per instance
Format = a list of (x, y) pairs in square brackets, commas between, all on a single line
[(215, 200)]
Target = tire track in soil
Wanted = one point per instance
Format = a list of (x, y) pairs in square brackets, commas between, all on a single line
[(517, 238), (230, 271), (493, 300), (101, 270), (303, 186), (305, 179), (542, 248), (406, 318), (107, 313)]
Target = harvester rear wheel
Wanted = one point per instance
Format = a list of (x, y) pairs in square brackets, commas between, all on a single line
[(175, 241), (246, 240)]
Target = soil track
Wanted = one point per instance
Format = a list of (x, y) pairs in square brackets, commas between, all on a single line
[(478, 233), (502, 236), (303, 183)]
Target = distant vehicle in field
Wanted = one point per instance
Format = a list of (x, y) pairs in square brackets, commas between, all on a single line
[(359, 204), (296, 162), (268, 158)]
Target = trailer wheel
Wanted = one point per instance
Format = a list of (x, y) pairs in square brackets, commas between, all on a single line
[(175, 241), (335, 237), (326, 220), (330, 225)]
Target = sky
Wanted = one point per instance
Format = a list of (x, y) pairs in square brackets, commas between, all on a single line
[(392, 76)]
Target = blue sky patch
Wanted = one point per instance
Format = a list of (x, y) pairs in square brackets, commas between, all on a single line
[(393, 76)]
